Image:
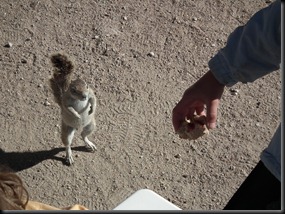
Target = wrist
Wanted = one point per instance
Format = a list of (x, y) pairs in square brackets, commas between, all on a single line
[(212, 79)]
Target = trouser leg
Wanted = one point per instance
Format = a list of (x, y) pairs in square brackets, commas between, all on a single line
[(261, 190)]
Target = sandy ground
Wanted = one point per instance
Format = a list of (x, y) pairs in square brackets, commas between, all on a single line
[(139, 57)]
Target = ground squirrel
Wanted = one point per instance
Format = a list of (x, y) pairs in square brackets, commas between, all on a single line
[(77, 102)]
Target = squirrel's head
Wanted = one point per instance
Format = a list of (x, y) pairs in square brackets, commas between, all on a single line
[(79, 89)]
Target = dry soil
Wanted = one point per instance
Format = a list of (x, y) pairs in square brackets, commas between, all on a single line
[(139, 57)]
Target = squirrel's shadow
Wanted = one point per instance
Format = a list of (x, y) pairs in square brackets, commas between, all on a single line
[(18, 161)]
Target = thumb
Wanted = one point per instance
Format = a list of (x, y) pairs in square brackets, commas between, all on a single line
[(212, 111)]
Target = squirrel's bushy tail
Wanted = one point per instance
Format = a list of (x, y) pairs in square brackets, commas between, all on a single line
[(61, 78)]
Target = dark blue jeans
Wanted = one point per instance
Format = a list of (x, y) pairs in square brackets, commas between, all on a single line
[(260, 191)]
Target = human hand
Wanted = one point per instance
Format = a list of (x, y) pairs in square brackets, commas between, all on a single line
[(202, 98)]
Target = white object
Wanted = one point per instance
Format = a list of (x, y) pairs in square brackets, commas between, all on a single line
[(145, 199)]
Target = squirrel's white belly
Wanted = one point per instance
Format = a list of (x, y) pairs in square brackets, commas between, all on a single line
[(83, 108)]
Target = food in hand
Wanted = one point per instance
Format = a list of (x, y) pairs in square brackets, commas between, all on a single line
[(193, 128)]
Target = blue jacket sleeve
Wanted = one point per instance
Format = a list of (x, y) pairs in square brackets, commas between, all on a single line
[(252, 50)]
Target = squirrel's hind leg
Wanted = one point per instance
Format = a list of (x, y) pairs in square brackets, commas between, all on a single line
[(87, 130), (67, 134)]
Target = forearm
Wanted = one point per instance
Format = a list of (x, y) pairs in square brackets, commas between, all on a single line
[(252, 50)]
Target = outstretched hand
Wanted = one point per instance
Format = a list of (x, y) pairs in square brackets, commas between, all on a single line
[(202, 98)]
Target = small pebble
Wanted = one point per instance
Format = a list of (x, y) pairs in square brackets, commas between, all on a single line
[(24, 61), (232, 168), (151, 54), (258, 104), (8, 45), (234, 91), (177, 156), (194, 19), (47, 103)]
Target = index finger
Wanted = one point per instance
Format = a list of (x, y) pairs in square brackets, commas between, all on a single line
[(212, 111)]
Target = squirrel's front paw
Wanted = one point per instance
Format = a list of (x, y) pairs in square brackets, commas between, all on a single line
[(90, 111), (77, 116)]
